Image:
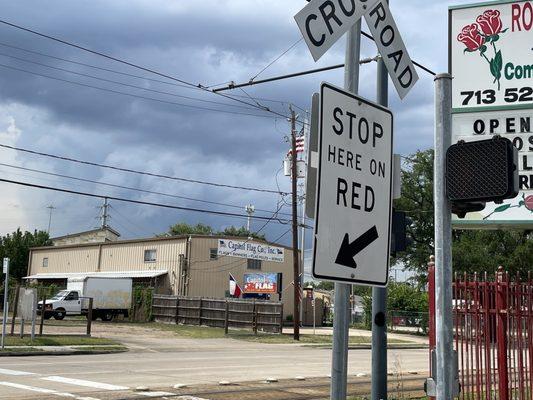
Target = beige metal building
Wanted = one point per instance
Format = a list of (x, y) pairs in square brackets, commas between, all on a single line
[(191, 265)]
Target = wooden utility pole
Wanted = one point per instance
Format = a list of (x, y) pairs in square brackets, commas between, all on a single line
[(295, 258)]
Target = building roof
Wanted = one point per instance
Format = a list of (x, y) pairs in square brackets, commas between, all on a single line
[(113, 274), (107, 228), (155, 239)]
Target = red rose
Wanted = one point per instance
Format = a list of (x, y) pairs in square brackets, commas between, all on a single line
[(490, 22), (471, 37)]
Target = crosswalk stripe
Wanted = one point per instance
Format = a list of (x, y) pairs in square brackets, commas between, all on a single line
[(82, 382), (156, 394), (13, 372), (45, 391)]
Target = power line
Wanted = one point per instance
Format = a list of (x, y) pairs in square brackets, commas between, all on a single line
[(133, 171), (123, 83), (132, 75), (147, 203), (133, 65), (276, 59), (130, 188), (307, 72), (131, 94)]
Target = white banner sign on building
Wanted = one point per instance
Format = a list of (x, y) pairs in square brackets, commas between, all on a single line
[(492, 93), (251, 250)]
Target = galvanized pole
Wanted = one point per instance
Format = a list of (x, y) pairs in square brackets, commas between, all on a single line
[(5, 269), (443, 241), (379, 295), (295, 258), (341, 318)]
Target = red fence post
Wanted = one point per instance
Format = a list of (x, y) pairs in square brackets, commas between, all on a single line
[(431, 303), (501, 332)]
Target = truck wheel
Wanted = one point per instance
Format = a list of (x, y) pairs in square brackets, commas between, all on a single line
[(107, 316), (59, 314), (47, 315)]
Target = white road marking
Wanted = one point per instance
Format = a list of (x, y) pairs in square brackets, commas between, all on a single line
[(155, 394), (13, 372), (45, 391), (81, 382)]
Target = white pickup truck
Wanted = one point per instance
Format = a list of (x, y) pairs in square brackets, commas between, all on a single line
[(111, 297)]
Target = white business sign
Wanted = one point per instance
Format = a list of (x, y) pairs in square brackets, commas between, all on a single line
[(490, 55), (353, 210), (252, 250), (391, 47), (5, 265), (492, 67), (323, 22)]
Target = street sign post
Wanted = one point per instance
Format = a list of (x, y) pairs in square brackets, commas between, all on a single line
[(5, 270), (391, 47), (312, 159), (323, 22), (353, 210)]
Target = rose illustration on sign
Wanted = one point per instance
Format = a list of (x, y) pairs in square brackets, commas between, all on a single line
[(477, 36)]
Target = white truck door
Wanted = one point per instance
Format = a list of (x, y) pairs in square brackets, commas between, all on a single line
[(73, 303)]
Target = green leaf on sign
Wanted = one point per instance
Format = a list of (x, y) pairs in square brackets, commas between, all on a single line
[(483, 49), (521, 203), (502, 208), (495, 38)]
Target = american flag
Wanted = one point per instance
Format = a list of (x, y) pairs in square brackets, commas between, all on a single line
[(300, 145)]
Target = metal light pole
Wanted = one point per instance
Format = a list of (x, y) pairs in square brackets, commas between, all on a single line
[(379, 295), (250, 209), (443, 242), (6, 292), (341, 318)]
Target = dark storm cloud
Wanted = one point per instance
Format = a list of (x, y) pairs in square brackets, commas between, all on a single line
[(204, 42)]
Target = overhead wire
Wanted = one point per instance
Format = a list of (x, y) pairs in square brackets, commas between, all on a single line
[(133, 171), (129, 187), (133, 65), (132, 94), (277, 58), (169, 206), (123, 83), (132, 75)]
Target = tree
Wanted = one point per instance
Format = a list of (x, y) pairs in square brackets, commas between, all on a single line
[(242, 231), (17, 246), (182, 228), (417, 202), (473, 250)]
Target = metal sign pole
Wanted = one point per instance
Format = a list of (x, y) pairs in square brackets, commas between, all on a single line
[(443, 241), (379, 295), (341, 321), (6, 283)]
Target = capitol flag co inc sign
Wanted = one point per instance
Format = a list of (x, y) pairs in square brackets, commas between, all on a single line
[(251, 250)]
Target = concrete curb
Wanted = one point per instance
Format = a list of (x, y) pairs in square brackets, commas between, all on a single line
[(392, 346), (68, 352)]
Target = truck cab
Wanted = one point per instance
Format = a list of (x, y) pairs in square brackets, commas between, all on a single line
[(65, 302)]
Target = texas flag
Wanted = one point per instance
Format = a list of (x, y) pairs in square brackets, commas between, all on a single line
[(234, 288)]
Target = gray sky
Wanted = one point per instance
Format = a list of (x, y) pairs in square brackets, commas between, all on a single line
[(206, 42)]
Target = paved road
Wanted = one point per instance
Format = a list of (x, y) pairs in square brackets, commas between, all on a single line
[(158, 360)]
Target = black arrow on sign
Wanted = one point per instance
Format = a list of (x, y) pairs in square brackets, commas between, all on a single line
[(348, 250)]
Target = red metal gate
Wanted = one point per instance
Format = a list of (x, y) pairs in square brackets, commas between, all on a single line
[(493, 335)]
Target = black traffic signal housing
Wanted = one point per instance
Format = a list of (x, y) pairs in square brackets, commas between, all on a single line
[(399, 238), (479, 172)]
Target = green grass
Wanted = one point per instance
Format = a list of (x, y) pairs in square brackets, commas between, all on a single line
[(57, 341), (203, 332)]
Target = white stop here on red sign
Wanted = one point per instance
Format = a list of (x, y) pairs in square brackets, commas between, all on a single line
[(354, 186)]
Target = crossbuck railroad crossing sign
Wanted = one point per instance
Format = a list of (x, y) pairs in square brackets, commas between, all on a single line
[(354, 189), (323, 22)]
